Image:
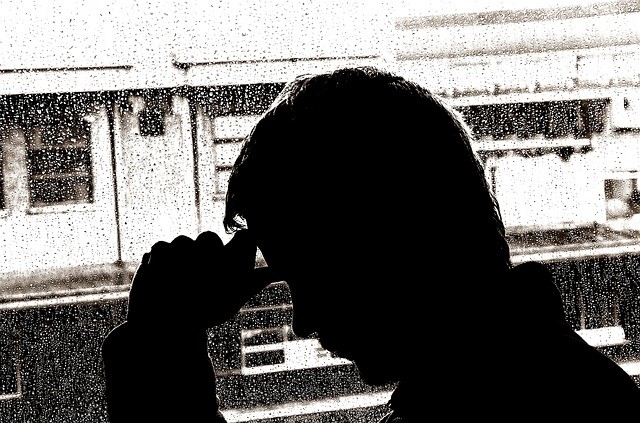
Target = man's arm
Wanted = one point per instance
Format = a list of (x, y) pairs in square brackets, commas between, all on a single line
[(156, 364), (159, 375)]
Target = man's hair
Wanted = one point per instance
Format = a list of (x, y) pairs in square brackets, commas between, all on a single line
[(358, 141)]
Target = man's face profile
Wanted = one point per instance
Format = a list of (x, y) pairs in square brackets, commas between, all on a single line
[(339, 293)]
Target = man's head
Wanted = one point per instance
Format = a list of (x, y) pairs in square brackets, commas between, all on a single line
[(361, 187)]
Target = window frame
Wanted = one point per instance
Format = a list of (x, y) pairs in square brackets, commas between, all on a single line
[(33, 138)]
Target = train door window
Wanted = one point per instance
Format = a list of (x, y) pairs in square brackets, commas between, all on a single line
[(59, 163), (622, 198)]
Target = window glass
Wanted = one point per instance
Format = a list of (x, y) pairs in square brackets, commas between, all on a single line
[(120, 124), (577, 119), (59, 163)]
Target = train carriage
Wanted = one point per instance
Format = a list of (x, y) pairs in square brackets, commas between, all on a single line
[(104, 153)]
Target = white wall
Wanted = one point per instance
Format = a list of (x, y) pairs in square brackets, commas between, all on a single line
[(155, 180), (35, 238), (148, 35), (122, 44), (547, 192)]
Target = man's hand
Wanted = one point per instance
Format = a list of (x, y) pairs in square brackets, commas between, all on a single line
[(197, 283)]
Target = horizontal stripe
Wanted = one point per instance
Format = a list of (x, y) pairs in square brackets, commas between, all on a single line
[(518, 16), (187, 65), (67, 69), (68, 298), (348, 402)]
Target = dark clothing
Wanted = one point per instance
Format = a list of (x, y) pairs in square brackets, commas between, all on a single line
[(530, 364), (158, 377), (518, 361)]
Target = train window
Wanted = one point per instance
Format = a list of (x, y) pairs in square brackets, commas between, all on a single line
[(622, 197), (577, 119), (151, 123), (59, 163), (229, 132)]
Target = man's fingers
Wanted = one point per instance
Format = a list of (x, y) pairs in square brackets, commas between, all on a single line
[(208, 250), (138, 276), (159, 252), (182, 242), (200, 282), (139, 291), (209, 241), (241, 251)]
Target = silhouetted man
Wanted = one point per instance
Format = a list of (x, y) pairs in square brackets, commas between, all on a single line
[(363, 193)]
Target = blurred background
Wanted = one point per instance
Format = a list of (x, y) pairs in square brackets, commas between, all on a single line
[(120, 120)]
